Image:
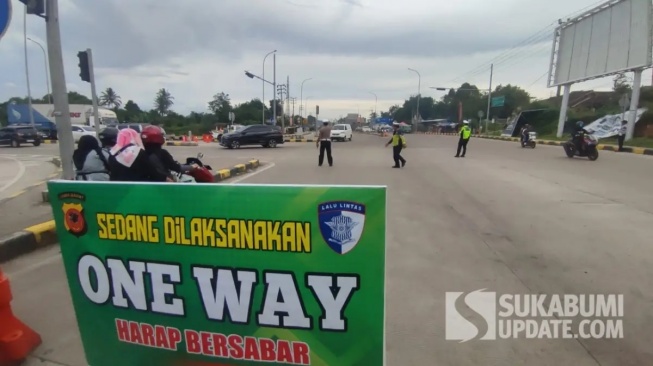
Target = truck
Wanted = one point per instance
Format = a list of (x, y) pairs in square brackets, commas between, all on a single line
[(44, 120)]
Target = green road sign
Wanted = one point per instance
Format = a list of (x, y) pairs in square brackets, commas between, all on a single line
[(177, 275), (498, 101)]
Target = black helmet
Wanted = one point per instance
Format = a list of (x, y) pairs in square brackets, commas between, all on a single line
[(108, 136)]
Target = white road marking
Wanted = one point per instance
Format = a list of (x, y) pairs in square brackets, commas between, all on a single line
[(21, 172), (249, 175)]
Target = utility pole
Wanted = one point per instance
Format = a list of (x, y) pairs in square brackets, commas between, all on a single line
[(274, 86), (91, 72), (281, 91), (59, 91), (489, 92), (293, 100), (29, 89), (287, 100)]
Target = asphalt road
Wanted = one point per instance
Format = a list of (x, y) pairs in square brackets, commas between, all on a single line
[(505, 219)]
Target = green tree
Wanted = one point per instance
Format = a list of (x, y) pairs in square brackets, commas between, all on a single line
[(516, 98), (621, 85), (109, 98), (163, 101), (279, 109), (76, 98), (220, 105), (249, 112)]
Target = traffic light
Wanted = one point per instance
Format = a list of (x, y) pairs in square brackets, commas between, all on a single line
[(84, 71)]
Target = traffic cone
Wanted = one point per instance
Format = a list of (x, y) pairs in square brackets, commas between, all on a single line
[(16, 339)]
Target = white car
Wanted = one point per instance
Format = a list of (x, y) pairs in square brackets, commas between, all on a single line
[(366, 129), (341, 132), (81, 130)]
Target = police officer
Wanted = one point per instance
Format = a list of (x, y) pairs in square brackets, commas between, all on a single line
[(465, 135), (324, 143), (398, 143)]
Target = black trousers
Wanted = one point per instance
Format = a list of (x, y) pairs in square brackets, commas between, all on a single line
[(462, 145), (621, 139), (325, 146), (396, 155)]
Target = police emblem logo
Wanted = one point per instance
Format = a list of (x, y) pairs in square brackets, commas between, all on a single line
[(74, 220), (341, 224)]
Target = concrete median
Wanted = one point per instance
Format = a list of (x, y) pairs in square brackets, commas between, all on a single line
[(181, 143), (604, 147), (27, 240)]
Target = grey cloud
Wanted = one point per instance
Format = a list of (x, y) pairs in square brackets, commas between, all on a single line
[(138, 33)]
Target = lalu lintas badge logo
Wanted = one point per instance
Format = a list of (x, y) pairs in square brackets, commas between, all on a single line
[(73, 212), (341, 224)]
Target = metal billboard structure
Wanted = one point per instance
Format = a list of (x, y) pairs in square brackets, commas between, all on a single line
[(612, 38)]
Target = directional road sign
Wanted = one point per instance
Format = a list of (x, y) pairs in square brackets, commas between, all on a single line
[(498, 101), (5, 16)]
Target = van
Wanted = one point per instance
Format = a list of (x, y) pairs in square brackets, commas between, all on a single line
[(342, 132)]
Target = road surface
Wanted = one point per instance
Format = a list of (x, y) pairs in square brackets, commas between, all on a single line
[(505, 219)]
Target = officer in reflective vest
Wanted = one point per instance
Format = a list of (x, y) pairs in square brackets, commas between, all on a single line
[(398, 143), (465, 135)]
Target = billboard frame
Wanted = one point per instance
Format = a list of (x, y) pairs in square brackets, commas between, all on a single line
[(636, 69), (555, 50)]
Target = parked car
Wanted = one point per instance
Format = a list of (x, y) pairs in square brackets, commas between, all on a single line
[(341, 132), (264, 135), (81, 130), (17, 135)]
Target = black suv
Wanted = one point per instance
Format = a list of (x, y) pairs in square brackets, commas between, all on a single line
[(16, 135), (264, 135)]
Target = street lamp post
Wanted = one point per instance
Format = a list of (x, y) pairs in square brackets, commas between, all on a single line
[(376, 100), (419, 87), (263, 76), (47, 74), (301, 98), (29, 89)]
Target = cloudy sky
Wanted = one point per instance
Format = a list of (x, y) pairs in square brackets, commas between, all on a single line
[(350, 48)]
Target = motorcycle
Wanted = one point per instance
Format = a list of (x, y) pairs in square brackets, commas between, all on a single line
[(202, 174), (589, 150), (530, 141)]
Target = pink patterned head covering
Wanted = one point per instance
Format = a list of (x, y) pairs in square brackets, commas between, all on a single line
[(128, 146)]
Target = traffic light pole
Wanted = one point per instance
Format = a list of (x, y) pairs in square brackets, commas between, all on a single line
[(96, 113), (59, 91)]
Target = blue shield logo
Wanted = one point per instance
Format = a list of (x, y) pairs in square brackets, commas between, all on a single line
[(341, 224)]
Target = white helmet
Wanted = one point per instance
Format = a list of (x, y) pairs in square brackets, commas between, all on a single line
[(465, 122)]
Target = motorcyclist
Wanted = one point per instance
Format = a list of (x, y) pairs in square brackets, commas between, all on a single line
[(108, 138), (128, 161), (153, 141), (578, 136), (525, 133)]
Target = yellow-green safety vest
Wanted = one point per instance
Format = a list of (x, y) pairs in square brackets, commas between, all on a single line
[(467, 132), (398, 139)]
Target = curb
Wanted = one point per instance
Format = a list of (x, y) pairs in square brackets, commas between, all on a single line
[(27, 240), (177, 143), (627, 149), (49, 141), (299, 140), (45, 234), (224, 174)]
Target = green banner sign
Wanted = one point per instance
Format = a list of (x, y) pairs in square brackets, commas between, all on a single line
[(181, 275), (498, 101)]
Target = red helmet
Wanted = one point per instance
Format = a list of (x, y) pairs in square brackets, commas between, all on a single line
[(152, 135)]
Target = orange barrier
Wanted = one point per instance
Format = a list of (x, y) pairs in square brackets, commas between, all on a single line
[(195, 139), (207, 138), (184, 138), (17, 340)]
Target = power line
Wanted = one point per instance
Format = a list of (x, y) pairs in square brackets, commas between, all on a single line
[(535, 38)]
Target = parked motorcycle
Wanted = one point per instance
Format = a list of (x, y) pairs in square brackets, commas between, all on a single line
[(589, 150), (202, 174), (532, 136)]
